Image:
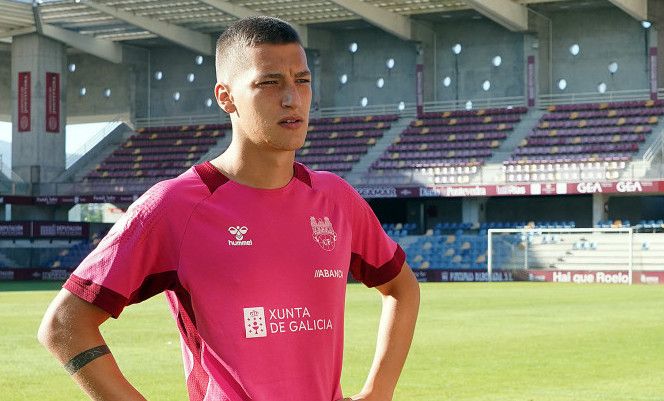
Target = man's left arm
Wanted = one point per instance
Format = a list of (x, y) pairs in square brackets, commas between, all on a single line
[(401, 302)]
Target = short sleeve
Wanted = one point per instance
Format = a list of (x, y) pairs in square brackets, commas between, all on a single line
[(376, 259), (134, 261)]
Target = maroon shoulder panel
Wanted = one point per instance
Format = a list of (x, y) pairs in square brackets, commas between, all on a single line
[(211, 177), (373, 276), (106, 299)]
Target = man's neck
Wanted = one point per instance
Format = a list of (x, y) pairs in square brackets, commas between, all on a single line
[(256, 168)]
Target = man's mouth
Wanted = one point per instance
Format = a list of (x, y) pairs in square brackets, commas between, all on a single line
[(291, 122)]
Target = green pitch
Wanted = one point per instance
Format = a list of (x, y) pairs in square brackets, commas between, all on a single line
[(480, 342)]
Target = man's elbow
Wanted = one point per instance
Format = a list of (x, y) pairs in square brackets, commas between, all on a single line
[(51, 331)]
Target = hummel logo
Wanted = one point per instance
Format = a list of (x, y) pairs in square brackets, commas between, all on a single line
[(238, 232)]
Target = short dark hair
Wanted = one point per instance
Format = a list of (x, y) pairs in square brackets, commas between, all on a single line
[(249, 32)]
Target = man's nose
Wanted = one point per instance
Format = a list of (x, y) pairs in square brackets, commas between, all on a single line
[(289, 97)]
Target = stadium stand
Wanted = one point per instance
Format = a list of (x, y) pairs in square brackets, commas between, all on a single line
[(583, 141), (579, 251), (157, 153), (454, 245), (336, 144), (448, 147)]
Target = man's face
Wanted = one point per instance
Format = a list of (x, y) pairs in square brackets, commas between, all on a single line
[(268, 96)]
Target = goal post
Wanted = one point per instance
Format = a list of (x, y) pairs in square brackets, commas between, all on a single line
[(579, 255)]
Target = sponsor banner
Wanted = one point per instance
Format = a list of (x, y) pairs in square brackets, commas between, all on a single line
[(60, 230), (556, 276), (652, 54), (24, 102), (531, 81), (368, 192), (451, 276), (15, 229), (596, 276), (533, 189), (35, 274), (615, 187), (52, 102)]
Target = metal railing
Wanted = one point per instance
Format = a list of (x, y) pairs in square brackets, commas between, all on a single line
[(90, 143), (593, 97), (217, 118)]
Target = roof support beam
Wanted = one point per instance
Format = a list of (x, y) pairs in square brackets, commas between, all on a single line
[(104, 49), (231, 9), (243, 12), (15, 32), (395, 24), (637, 9), (192, 40), (507, 13)]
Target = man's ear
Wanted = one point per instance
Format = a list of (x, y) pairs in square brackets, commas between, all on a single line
[(224, 98)]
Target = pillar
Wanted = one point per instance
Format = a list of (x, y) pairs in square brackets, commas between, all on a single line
[(38, 108)]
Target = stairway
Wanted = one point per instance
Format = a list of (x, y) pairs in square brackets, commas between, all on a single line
[(362, 167)]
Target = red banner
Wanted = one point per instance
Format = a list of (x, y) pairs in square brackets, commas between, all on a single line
[(653, 72), (531, 81), (419, 90), (24, 101), (52, 102)]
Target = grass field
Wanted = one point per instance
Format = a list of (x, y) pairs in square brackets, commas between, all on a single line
[(480, 342)]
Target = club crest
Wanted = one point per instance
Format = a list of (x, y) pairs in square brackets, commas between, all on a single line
[(323, 233)]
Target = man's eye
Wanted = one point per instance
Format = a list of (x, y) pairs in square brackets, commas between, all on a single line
[(304, 81), (264, 83)]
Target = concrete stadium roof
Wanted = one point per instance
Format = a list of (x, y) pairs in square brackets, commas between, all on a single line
[(103, 24)]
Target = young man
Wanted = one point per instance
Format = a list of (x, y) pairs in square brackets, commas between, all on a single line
[(253, 251)]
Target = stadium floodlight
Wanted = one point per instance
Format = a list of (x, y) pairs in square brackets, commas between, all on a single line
[(447, 81), (364, 102), (601, 88), (497, 61), (71, 67), (380, 82), (486, 85), (562, 84), (574, 49), (456, 49), (389, 63), (198, 60), (208, 102), (83, 91), (191, 77), (469, 105), (176, 96), (353, 47), (646, 24), (107, 92), (343, 79), (613, 67), (401, 106), (158, 75)]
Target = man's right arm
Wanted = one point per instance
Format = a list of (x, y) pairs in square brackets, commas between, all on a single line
[(69, 328)]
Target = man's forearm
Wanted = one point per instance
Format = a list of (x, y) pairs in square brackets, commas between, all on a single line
[(395, 333), (70, 331)]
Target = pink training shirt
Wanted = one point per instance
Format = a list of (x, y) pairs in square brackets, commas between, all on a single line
[(255, 278)]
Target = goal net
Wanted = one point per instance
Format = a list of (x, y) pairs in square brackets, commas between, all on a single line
[(572, 255)]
